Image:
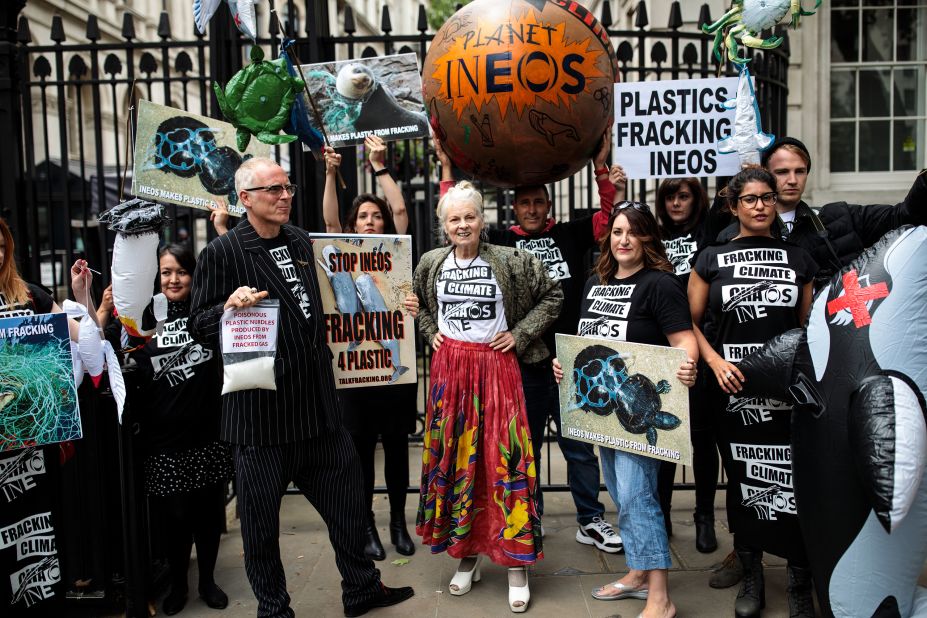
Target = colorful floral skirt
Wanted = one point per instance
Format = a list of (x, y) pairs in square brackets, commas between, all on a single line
[(478, 472)]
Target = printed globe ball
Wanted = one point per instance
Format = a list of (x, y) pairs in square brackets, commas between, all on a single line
[(520, 91)]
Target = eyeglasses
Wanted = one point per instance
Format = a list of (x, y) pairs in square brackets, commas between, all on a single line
[(276, 190), (768, 199), (634, 205)]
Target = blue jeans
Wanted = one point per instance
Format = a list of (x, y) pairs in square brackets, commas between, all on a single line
[(542, 400), (632, 483)]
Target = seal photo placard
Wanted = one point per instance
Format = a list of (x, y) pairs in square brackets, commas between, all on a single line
[(624, 396), (368, 96)]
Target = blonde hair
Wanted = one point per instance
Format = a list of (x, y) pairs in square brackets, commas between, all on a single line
[(12, 285), (462, 192)]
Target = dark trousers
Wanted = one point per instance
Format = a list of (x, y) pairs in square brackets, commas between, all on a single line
[(542, 400), (326, 471), (192, 517), (395, 466)]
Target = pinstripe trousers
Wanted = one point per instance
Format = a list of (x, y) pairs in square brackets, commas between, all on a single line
[(327, 472)]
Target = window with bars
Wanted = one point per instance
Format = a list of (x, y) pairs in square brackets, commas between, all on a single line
[(878, 78)]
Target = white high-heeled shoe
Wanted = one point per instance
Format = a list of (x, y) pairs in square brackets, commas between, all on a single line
[(518, 595), (463, 580)]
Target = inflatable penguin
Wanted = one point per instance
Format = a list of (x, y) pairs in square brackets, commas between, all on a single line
[(857, 376)]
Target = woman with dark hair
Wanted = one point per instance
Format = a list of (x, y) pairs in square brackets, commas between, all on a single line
[(363, 408), (177, 399), (751, 289), (652, 310), (682, 215)]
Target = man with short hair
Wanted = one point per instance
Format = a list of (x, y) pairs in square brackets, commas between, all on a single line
[(294, 433), (839, 232), (562, 246)]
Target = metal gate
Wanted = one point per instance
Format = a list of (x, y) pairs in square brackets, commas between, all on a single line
[(65, 119)]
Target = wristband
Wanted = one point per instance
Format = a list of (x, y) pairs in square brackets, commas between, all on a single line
[(382, 172), (600, 171)]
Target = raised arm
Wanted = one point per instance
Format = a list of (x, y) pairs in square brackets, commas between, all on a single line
[(606, 188), (447, 171), (330, 194), (391, 191)]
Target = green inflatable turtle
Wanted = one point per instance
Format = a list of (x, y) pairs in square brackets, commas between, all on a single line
[(257, 100)]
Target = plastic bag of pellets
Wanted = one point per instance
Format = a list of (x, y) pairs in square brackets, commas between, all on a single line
[(249, 345)]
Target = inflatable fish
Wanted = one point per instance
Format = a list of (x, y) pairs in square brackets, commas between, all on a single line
[(372, 300), (342, 283), (747, 138), (242, 12), (89, 340), (857, 376), (137, 224), (92, 353)]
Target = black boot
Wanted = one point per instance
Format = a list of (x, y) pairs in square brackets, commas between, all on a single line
[(801, 604), (373, 548), (399, 535), (752, 596), (705, 540)]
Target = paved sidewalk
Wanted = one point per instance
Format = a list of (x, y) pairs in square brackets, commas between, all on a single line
[(560, 584)]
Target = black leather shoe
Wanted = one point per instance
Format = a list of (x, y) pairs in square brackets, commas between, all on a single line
[(213, 596), (399, 535), (384, 598), (373, 548), (175, 601), (705, 539)]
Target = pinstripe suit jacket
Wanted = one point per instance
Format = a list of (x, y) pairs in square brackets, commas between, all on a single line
[(305, 404)]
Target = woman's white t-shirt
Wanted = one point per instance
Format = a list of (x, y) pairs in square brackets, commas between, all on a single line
[(469, 301)]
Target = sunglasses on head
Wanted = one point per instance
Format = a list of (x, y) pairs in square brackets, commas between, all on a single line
[(635, 205)]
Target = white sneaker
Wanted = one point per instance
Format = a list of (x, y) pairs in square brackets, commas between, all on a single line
[(602, 535)]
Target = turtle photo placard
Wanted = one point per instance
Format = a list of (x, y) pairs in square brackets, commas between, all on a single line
[(356, 98), (624, 396), (363, 280), (187, 159)]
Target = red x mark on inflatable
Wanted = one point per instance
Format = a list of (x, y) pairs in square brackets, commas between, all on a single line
[(855, 298)]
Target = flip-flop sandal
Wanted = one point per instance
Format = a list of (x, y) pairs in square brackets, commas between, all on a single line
[(624, 592)]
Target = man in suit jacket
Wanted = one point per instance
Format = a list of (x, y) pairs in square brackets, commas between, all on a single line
[(294, 433)]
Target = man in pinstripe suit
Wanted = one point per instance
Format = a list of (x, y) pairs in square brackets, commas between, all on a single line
[(294, 433)]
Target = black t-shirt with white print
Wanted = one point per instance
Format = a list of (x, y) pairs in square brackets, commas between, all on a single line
[(39, 302), (280, 253), (181, 408), (562, 249), (642, 308), (755, 291)]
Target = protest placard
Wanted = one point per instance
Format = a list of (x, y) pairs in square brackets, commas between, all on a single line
[(624, 396), (187, 159), (38, 400), (671, 129), (380, 96), (371, 337)]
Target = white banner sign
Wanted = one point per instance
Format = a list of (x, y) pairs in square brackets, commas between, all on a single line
[(671, 129), (249, 330)]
